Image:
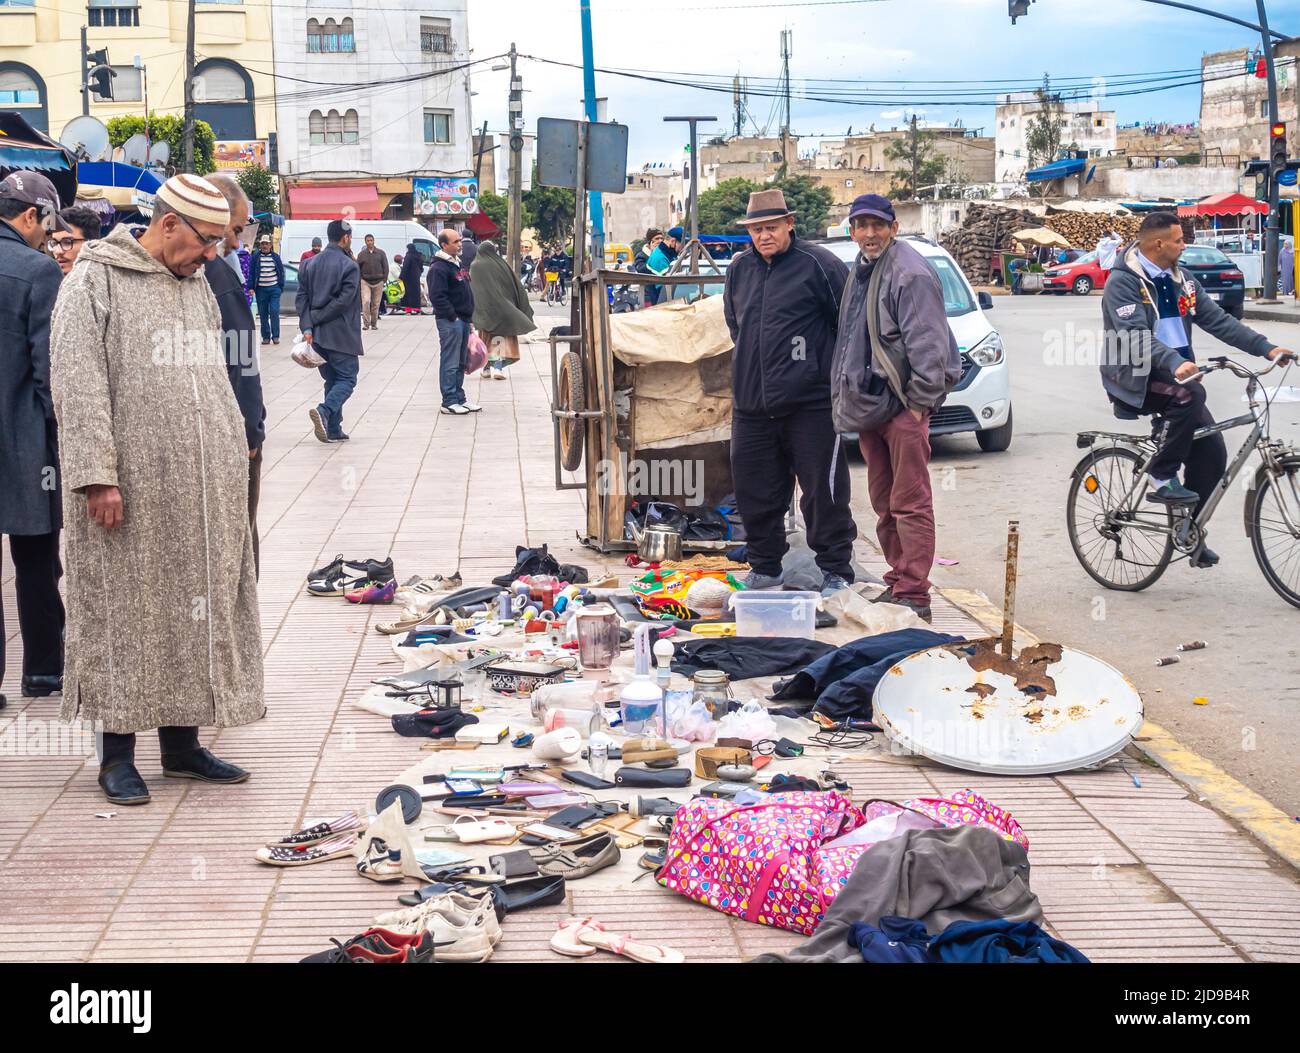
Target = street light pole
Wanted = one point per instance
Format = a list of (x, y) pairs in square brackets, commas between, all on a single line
[(189, 88), (516, 129)]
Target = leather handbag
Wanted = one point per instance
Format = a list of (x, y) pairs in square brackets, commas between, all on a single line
[(665, 778)]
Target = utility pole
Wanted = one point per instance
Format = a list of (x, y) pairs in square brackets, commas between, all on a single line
[(785, 87), (597, 208), (478, 156), (916, 165), (516, 113), (1273, 226), (85, 79), (189, 87)]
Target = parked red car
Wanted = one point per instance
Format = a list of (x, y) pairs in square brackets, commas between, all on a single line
[(1079, 277)]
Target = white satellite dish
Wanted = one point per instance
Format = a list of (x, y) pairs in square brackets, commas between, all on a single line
[(159, 154), (87, 138), (135, 151)]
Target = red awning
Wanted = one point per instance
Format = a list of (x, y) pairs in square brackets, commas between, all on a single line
[(482, 226), (1225, 205), (334, 201)]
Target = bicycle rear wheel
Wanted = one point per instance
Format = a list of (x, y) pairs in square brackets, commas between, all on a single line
[(1277, 548), (1115, 551)]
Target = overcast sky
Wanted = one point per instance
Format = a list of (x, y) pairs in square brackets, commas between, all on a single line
[(880, 40)]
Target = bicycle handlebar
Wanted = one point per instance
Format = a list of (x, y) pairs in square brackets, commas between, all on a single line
[(1235, 368)]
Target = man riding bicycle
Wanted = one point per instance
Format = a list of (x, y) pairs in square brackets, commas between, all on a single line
[(1148, 367)]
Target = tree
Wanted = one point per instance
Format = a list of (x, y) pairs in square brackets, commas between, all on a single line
[(810, 202), (919, 165), (259, 185), (1044, 130), (171, 130), (720, 207), (497, 208), (552, 210)]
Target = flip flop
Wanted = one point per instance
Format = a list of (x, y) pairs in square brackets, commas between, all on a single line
[(300, 855), (582, 937)]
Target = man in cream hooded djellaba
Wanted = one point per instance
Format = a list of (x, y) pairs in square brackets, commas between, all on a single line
[(163, 629)]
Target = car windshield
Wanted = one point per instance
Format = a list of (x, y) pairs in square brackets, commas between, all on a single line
[(1089, 257), (1203, 256), (956, 297)]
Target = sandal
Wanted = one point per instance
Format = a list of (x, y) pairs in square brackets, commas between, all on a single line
[(405, 625), (310, 835), (300, 855), (380, 863), (583, 937)]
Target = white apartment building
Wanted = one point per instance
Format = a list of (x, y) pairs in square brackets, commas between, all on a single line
[(1086, 126), (353, 134)]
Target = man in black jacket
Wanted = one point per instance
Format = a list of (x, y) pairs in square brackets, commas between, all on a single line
[(329, 315), (30, 503), (453, 305), (782, 303), (238, 335)]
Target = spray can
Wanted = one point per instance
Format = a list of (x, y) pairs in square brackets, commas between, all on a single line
[(504, 607)]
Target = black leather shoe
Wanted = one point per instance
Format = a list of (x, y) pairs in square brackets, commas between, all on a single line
[(1174, 493), (1204, 559), (40, 686), (200, 764), (122, 784)]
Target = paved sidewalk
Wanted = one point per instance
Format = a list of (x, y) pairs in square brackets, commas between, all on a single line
[(1124, 873)]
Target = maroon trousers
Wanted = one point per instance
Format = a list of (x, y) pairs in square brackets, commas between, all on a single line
[(898, 482)]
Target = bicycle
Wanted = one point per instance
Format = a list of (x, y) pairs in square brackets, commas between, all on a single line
[(555, 291), (1126, 545)]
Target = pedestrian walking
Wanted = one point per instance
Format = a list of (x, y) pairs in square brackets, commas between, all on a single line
[(412, 270), (502, 311), (80, 226), (895, 361), (329, 315), (30, 512), (1286, 267), (1148, 308), (266, 276), (453, 306), (781, 302), (310, 253), (238, 334), (373, 265), (163, 629)]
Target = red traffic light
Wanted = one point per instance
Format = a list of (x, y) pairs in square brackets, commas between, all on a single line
[(1278, 130)]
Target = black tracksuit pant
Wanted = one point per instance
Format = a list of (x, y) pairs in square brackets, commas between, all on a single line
[(1184, 410), (767, 455), (37, 571)]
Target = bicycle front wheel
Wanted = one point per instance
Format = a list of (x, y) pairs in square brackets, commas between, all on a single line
[(1118, 542), (1277, 546), (563, 298)]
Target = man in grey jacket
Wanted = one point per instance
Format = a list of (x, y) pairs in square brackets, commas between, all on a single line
[(1147, 366), (895, 360), (329, 315), (30, 510)]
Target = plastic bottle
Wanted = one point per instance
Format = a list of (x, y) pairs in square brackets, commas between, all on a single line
[(641, 700), (505, 611)]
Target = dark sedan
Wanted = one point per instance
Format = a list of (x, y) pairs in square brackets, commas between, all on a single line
[(1220, 277)]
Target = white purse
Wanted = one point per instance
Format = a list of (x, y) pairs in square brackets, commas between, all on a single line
[(469, 830)]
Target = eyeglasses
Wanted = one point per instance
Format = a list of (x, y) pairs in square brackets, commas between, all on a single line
[(208, 242), (62, 244)]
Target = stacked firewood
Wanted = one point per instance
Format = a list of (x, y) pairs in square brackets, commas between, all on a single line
[(986, 229), (1085, 229)]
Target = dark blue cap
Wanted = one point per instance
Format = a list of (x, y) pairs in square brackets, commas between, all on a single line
[(872, 205), (676, 233)]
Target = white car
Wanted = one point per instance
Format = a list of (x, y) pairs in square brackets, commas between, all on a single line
[(981, 401)]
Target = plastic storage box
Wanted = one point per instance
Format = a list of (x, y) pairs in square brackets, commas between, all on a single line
[(775, 613)]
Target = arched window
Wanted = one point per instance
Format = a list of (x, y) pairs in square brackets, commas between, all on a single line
[(351, 127), (22, 89), (333, 127), (330, 37), (223, 92), (316, 127), (313, 37)]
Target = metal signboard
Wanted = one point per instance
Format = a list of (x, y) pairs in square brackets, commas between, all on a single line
[(557, 155)]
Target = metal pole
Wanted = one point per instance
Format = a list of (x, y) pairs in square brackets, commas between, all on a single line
[(597, 209), (515, 110), (576, 320), (1009, 591), (1274, 219), (478, 156), (189, 87), (85, 79)]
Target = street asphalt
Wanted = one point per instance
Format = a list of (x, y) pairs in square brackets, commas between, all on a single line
[(1249, 673)]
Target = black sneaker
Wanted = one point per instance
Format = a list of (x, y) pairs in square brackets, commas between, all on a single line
[(339, 436), (352, 574), (529, 561), (921, 610), (1174, 493), (332, 567), (1204, 559)]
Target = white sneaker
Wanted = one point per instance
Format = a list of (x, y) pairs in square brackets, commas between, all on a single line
[(470, 407), (467, 934), (458, 410), (448, 904), (499, 375)]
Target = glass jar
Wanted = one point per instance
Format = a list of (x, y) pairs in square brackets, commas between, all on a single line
[(713, 688)]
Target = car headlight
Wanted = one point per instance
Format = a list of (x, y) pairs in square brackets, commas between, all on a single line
[(988, 352)]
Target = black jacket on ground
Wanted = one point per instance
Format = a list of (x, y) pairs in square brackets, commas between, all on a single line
[(449, 290), (783, 318), (239, 337), (29, 283)]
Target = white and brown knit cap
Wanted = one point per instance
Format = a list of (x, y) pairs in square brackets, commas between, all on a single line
[(195, 198)]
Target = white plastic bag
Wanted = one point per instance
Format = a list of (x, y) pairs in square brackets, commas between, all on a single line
[(751, 721), (304, 354)]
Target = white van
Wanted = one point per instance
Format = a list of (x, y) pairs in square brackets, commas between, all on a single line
[(391, 235), (981, 401)]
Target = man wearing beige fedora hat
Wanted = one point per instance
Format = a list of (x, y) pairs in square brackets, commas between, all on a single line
[(782, 303)]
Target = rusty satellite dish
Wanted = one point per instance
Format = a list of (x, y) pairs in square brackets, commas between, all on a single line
[(980, 707)]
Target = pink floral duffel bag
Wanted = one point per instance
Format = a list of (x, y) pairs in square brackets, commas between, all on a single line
[(774, 863)]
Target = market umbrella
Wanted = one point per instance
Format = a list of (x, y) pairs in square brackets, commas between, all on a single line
[(1041, 236), (118, 174)]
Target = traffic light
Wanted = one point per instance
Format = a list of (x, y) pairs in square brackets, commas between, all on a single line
[(100, 82), (1018, 9), (1277, 145)]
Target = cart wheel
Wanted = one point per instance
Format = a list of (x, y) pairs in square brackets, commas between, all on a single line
[(571, 396)]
